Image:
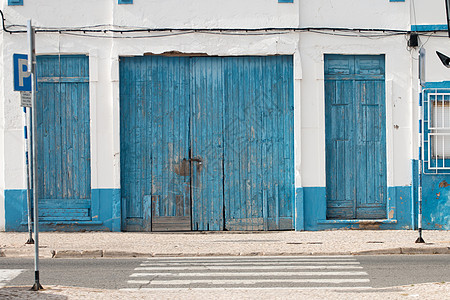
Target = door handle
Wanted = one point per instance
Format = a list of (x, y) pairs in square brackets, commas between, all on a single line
[(196, 159)]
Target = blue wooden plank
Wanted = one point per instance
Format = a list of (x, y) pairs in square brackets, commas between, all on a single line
[(287, 181), (207, 140)]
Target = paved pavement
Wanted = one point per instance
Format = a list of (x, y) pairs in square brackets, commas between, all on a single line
[(131, 244), (429, 291), (159, 245)]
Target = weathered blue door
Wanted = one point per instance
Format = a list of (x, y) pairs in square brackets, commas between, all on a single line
[(154, 135), (207, 143), (259, 144), (63, 124), (355, 137)]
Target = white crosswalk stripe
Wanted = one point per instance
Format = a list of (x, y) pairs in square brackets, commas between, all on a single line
[(258, 272), (8, 274)]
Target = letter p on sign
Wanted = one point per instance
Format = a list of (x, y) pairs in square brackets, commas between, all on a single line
[(22, 77)]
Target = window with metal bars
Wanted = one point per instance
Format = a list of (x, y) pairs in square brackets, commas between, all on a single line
[(436, 130)]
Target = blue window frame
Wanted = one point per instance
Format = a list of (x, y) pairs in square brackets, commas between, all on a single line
[(125, 1), (436, 130), (15, 2)]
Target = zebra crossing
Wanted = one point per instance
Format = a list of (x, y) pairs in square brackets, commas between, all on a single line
[(8, 274), (251, 272)]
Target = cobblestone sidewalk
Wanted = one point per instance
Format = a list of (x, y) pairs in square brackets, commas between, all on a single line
[(130, 244)]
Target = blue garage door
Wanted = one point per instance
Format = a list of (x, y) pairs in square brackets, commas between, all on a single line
[(62, 115), (355, 137), (206, 143)]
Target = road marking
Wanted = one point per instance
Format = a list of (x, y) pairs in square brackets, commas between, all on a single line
[(8, 274), (238, 257), (261, 272), (248, 260), (253, 262), (246, 274), (256, 281), (246, 268), (138, 281), (252, 288)]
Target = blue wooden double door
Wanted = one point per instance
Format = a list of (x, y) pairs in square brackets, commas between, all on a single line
[(356, 183), (206, 143)]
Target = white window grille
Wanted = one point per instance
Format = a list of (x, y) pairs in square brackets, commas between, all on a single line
[(436, 131)]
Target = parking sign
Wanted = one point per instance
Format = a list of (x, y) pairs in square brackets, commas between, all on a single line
[(22, 77)]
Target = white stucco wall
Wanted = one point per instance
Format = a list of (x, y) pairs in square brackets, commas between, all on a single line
[(399, 103), (354, 14), (104, 56), (434, 69), (428, 12), (158, 14), (2, 166), (308, 50)]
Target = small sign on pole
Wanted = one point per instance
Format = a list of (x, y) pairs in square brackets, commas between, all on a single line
[(22, 76), (25, 99)]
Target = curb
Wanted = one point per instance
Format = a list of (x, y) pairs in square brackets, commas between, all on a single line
[(126, 254), (431, 250), (406, 250)]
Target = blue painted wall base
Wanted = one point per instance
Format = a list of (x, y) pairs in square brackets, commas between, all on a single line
[(313, 200), (402, 206), (105, 201), (436, 201)]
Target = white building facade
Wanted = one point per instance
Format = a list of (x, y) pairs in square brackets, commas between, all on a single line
[(255, 115)]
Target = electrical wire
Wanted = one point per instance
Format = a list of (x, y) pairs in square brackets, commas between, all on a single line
[(110, 31), (123, 37)]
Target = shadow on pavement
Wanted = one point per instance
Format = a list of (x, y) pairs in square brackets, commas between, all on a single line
[(25, 293)]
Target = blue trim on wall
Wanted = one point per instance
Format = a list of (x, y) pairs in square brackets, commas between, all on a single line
[(125, 1), (15, 210), (431, 27), (313, 200), (436, 201), (396, 0), (315, 206), (437, 85), (299, 210), (15, 2), (106, 213), (414, 191), (285, 1)]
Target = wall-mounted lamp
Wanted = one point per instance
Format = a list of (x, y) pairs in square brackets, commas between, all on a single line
[(444, 59)]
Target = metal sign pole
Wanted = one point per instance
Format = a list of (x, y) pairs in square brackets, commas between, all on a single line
[(31, 67), (421, 82), (447, 8), (28, 178)]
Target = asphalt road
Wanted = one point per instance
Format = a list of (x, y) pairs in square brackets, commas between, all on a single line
[(395, 270), (382, 271)]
